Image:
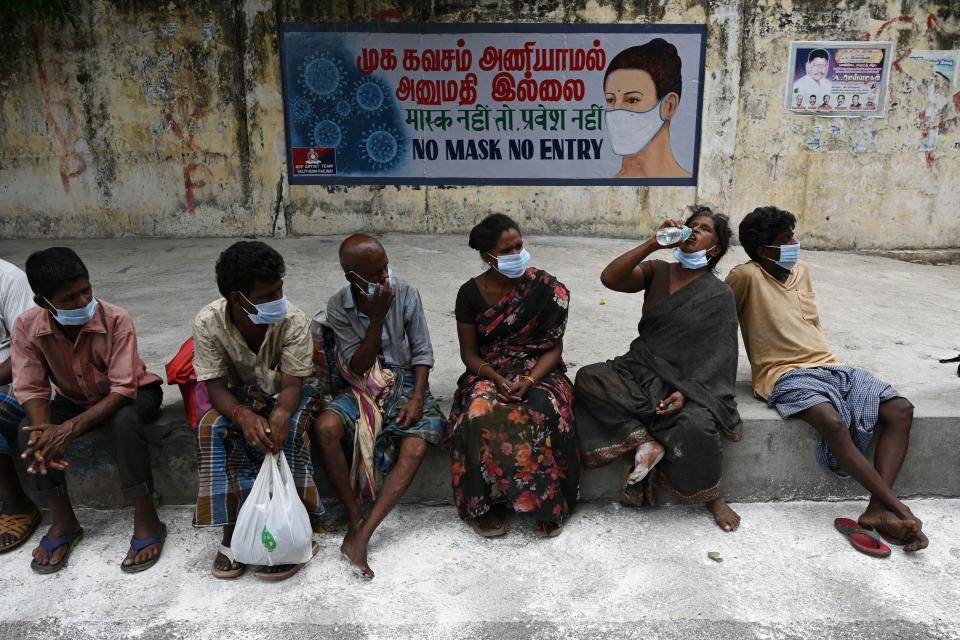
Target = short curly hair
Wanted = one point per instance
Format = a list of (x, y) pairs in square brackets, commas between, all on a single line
[(761, 226), (244, 263), (721, 225), (484, 236)]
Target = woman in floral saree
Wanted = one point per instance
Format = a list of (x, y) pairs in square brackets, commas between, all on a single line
[(511, 430)]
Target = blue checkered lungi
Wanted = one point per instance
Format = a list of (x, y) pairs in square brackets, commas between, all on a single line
[(855, 394)]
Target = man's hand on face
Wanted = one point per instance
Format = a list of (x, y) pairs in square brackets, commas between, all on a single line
[(380, 301)]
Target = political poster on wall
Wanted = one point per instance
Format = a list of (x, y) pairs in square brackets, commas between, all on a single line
[(839, 79), (492, 104)]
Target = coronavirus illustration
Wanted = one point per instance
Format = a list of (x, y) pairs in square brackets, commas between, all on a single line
[(323, 76), (301, 109), (381, 146), (370, 95), (327, 133)]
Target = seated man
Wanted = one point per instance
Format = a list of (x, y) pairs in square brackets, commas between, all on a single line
[(255, 352), (797, 375), (88, 349), (385, 355), (19, 517)]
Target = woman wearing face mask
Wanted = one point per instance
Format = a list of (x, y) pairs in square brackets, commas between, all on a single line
[(512, 428), (642, 87), (670, 398)]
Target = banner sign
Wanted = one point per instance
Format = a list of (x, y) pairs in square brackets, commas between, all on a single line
[(492, 104), (839, 79)]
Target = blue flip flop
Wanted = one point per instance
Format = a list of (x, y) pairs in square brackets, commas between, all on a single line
[(139, 545), (69, 540)]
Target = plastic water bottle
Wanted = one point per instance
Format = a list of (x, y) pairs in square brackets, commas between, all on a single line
[(672, 235)]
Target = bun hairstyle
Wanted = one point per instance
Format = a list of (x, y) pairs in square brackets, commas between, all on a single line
[(659, 58), (484, 236)]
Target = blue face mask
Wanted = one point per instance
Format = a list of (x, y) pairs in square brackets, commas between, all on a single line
[(268, 312), (695, 260), (372, 286), (512, 265), (789, 254), (74, 317)]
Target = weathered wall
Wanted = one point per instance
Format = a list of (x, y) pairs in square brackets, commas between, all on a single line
[(165, 119)]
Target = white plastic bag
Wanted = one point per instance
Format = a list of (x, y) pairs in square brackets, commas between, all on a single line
[(273, 526)]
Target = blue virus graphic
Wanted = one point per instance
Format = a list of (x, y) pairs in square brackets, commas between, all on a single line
[(323, 76), (344, 108), (327, 133), (371, 95), (302, 110), (381, 147)]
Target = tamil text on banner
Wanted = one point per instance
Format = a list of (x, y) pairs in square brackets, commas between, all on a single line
[(492, 104)]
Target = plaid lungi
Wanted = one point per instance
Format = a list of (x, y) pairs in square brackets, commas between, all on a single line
[(228, 466), (855, 394), (11, 414)]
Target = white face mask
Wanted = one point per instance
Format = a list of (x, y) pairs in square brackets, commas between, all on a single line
[(632, 131)]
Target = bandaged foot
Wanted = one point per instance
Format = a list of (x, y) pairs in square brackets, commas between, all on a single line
[(647, 456)]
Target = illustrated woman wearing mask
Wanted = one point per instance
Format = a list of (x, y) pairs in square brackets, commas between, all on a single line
[(670, 398), (642, 87), (512, 440)]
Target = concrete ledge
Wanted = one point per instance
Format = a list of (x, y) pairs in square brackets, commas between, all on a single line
[(894, 318), (774, 462)]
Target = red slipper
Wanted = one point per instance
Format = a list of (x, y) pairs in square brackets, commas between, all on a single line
[(890, 539), (860, 539)]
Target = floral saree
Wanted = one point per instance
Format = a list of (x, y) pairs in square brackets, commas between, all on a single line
[(520, 454)]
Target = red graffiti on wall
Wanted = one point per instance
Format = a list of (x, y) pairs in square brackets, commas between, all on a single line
[(195, 173), (65, 129)]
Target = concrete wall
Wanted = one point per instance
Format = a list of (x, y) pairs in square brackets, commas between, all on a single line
[(165, 119)]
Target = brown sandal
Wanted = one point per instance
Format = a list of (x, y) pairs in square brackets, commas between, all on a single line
[(270, 576), (490, 527), (546, 529), (236, 568), (21, 525)]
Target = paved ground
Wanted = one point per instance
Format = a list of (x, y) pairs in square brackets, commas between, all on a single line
[(614, 573)]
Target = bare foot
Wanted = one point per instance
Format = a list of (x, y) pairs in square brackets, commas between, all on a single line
[(727, 519), (647, 456), (56, 530), (916, 543), (354, 549), (882, 519)]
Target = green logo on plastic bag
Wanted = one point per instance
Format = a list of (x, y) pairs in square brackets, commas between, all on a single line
[(267, 539)]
